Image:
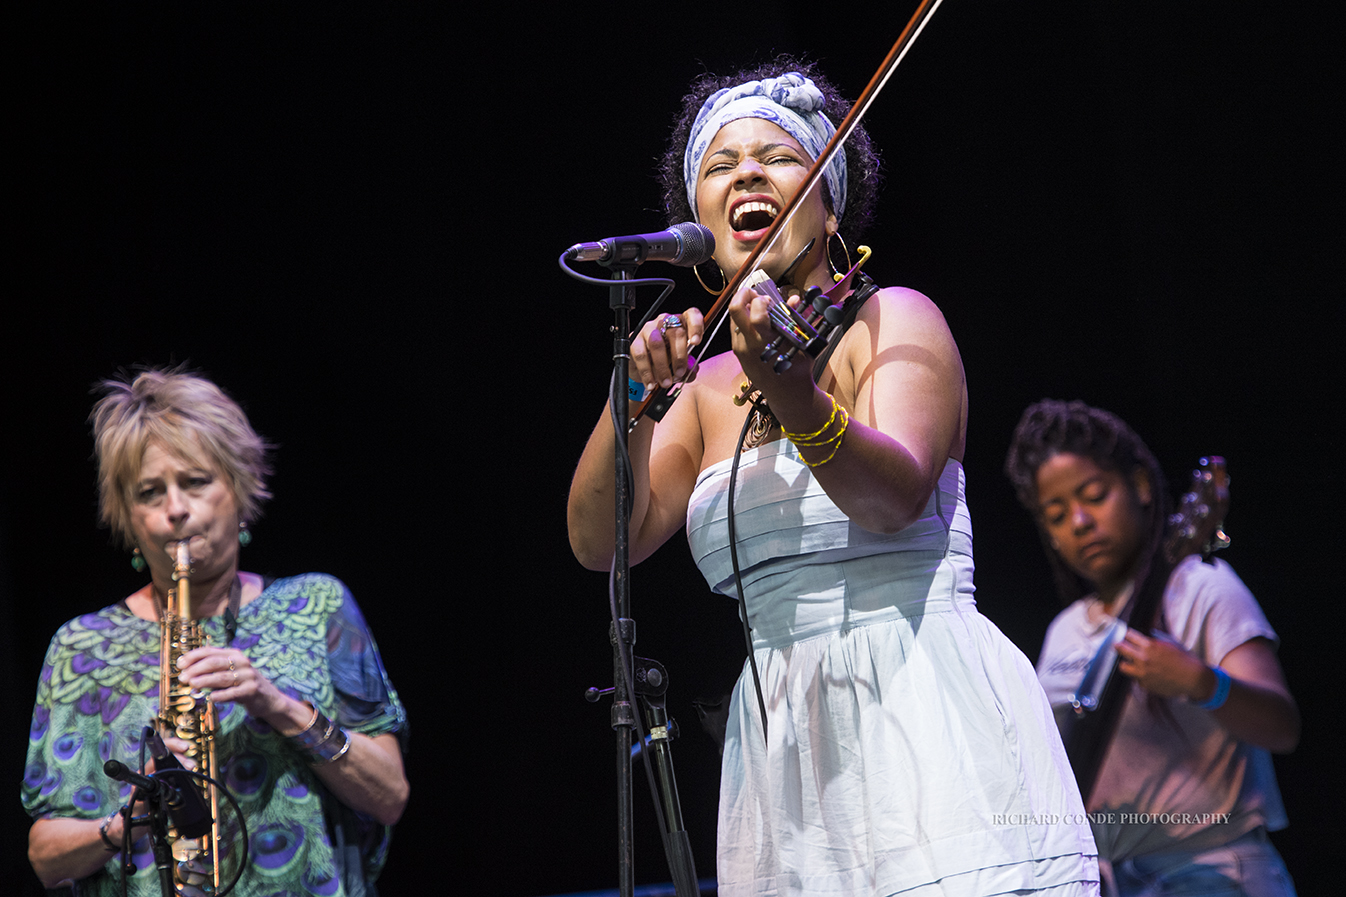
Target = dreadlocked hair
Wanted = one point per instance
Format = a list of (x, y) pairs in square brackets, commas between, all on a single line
[(1052, 427)]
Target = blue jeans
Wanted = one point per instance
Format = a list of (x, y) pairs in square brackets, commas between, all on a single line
[(1245, 867)]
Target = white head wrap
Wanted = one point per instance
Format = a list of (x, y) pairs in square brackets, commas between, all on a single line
[(791, 102)]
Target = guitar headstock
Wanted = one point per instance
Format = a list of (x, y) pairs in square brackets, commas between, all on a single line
[(1197, 525)]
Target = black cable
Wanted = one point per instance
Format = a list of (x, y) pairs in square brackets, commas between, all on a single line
[(851, 305), (668, 285), (127, 844), (738, 576), (238, 813)]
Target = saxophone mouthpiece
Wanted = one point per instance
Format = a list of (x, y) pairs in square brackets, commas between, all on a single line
[(181, 553)]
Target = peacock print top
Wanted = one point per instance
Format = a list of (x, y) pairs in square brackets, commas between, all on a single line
[(99, 688)]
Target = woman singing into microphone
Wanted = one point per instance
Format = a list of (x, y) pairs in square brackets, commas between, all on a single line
[(910, 747)]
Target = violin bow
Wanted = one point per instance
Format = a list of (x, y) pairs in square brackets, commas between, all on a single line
[(661, 398)]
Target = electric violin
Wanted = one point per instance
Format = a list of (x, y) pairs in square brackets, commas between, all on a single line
[(658, 402)]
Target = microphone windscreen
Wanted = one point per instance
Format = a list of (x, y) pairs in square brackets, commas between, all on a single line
[(697, 244)]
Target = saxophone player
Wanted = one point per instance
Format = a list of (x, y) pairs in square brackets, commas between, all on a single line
[(307, 727)]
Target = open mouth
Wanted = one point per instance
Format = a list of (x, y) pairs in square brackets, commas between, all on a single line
[(754, 215)]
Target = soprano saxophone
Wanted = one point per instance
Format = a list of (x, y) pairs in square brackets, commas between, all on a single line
[(190, 716)]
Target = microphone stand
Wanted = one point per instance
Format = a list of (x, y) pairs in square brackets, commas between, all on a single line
[(157, 816), (163, 851), (651, 683), (622, 632)]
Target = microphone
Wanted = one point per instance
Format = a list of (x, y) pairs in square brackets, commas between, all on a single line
[(187, 808), (684, 244)]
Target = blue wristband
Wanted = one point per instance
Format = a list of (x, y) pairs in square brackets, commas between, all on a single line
[(1216, 701)]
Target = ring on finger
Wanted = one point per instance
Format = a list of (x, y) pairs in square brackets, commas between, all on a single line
[(670, 322)]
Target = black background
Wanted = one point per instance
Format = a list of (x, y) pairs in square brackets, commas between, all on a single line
[(348, 215)]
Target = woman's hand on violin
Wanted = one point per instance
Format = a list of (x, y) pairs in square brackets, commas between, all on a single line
[(231, 678), (751, 332), (661, 352)]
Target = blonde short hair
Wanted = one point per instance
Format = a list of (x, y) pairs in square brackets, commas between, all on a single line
[(188, 415)]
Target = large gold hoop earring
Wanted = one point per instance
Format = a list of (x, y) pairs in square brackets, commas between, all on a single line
[(838, 275), (696, 269)]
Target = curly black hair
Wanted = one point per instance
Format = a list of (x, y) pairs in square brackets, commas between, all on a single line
[(862, 160), (1052, 427)]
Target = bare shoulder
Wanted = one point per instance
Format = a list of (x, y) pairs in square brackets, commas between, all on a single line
[(900, 324), (901, 369), (902, 310)]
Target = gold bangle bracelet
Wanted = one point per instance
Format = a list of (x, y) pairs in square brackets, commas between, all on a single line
[(845, 421), (804, 438)]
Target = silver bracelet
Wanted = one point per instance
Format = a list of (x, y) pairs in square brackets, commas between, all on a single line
[(330, 751), (318, 730), (313, 721)]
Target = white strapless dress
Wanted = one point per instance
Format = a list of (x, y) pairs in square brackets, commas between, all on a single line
[(911, 750)]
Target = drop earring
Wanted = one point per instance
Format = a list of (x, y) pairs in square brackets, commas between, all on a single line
[(244, 534), (138, 563)]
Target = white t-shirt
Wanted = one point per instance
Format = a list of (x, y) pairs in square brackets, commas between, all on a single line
[(1173, 779)]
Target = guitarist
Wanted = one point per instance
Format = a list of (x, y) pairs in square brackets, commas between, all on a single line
[(1185, 793)]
